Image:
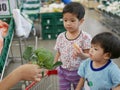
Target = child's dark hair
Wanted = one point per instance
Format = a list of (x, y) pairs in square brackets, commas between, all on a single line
[(109, 42), (75, 8)]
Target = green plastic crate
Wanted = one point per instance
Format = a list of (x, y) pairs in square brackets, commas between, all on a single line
[(47, 19), (7, 41), (31, 8), (59, 28), (52, 25), (49, 36), (59, 18), (48, 29), (34, 16), (51, 18)]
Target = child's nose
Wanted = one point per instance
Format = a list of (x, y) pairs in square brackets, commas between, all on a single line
[(68, 23), (91, 50)]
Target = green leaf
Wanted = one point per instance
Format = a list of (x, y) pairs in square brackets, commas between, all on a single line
[(28, 53), (58, 63)]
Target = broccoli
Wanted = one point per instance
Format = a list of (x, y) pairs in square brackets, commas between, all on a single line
[(41, 56)]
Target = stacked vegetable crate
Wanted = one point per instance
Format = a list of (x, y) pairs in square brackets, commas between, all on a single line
[(31, 8), (52, 25), (7, 43)]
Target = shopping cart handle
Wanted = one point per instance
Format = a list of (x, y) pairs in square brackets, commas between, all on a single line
[(51, 72), (31, 85)]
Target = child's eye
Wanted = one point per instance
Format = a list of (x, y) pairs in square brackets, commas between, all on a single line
[(72, 20), (91, 46), (65, 20), (96, 49)]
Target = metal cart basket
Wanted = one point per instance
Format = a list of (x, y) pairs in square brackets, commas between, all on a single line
[(49, 82)]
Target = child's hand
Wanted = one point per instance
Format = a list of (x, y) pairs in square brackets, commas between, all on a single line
[(77, 51)]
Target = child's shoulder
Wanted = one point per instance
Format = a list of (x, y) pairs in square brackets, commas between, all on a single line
[(86, 61), (85, 34), (113, 65), (62, 34)]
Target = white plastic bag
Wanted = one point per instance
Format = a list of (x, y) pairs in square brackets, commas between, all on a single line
[(23, 24)]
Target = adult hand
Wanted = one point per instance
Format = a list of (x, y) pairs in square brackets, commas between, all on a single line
[(29, 72)]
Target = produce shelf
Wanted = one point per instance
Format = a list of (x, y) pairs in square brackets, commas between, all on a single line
[(7, 44)]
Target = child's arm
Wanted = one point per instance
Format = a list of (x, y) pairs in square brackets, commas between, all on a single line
[(117, 88), (80, 84), (85, 53), (57, 56)]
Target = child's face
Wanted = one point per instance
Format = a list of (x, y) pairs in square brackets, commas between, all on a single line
[(97, 53), (71, 22)]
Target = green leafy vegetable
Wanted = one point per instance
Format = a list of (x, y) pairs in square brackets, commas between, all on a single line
[(43, 57), (28, 53)]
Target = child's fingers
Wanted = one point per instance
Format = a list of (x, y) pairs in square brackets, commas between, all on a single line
[(75, 46)]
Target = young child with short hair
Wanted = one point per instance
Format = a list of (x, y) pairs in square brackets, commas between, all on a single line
[(99, 71), (73, 17)]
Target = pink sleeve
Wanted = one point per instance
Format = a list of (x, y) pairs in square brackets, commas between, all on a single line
[(86, 42)]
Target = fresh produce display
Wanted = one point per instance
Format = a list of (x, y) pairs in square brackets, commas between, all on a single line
[(3, 32), (41, 56), (3, 28), (110, 14), (112, 7)]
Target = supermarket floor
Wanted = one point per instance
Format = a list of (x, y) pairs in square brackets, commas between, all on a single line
[(91, 25)]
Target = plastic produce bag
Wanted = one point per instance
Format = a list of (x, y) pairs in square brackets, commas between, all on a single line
[(3, 28), (23, 24), (3, 33)]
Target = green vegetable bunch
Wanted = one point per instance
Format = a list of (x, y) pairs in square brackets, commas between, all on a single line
[(41, 56)]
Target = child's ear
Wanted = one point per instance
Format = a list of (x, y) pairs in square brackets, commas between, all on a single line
[(82, 20), (107, 55)]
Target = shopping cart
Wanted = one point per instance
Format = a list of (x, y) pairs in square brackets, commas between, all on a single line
[(49, 82)]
